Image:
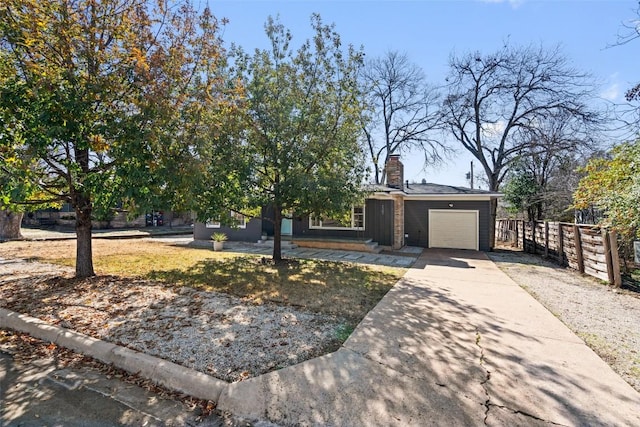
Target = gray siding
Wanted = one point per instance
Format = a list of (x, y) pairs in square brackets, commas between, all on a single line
[(416, 219), (378, 225), (250, 234), (379, 221)]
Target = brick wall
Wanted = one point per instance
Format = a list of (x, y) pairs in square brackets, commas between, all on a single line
[(398, 221), (395, 171)]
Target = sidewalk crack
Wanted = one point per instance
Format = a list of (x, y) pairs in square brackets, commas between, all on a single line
[(483, 383), (381, 363), (413, 377), (526, 414), (487, 404)]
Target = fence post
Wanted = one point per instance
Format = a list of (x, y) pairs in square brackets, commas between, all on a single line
[(524, 236), (516, 240), (546, 239), (615, 259), (560, 244), (578, 244), (607, 253)]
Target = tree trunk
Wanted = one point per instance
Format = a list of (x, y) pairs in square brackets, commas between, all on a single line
[(530, 214), (494, 186), (539, 211), (10, 223), (493, 209), (84, 255), (277, 234)]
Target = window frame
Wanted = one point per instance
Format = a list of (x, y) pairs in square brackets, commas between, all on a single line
[(353, 227), (241, 220)]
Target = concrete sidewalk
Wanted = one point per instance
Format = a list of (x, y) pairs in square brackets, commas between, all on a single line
[(62, 233), (455, 342)]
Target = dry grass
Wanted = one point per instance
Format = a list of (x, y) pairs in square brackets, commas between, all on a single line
[(345, 290)]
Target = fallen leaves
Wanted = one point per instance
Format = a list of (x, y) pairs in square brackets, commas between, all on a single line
[(218, 334)]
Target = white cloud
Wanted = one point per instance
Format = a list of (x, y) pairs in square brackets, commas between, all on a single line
[(611, 92), (514, 3)]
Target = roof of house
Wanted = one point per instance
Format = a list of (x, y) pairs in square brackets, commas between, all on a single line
[(433, 189)]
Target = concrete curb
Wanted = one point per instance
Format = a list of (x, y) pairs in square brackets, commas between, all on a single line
[(168, 374)]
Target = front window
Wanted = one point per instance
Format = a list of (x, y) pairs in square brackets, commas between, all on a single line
[(354, 222), (239, 220), (358, 217)]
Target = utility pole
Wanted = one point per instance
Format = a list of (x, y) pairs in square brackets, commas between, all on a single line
[(470, 175)]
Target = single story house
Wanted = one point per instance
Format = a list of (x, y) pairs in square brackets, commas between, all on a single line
[(393, 215)]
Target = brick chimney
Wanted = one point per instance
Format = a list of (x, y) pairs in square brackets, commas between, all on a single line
[(395, 171)]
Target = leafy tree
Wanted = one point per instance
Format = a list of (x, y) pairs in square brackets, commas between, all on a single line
[(96, 92), (521, 193), (300, 142), (18, 192), (17, 195), (495, 101), (403, 112), (613, 185)]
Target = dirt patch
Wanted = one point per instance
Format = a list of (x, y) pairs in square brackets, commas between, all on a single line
[(605, 318), (230, 315), (221, 335), (332, 288)]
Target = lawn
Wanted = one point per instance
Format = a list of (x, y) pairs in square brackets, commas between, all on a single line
[(334, 288)]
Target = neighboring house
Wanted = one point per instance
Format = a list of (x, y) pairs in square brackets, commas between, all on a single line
[(66, 217), (394, 215)]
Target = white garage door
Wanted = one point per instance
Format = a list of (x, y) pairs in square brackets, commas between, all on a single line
[(454, 229)]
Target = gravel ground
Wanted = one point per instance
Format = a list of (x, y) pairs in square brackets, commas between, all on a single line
[(607, 319), (215, 333)]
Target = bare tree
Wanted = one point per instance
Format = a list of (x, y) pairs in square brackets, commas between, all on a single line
[(554, 149), (630, 29), (403, 111), (629, 114), (496, 99), (542, 181)]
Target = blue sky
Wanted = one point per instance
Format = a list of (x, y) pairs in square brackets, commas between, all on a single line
[(429, 31)]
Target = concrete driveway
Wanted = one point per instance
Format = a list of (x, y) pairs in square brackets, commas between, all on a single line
[(455, 342)]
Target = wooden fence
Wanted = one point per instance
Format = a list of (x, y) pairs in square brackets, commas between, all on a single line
[(589, 249)]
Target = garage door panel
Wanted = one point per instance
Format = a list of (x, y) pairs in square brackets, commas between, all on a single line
[(455, 229)]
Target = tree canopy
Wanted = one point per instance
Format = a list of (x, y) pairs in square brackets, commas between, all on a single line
[(612, 184), (300, 137), (101, 97)]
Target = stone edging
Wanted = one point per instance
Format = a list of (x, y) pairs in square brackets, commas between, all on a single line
[(168, 374)]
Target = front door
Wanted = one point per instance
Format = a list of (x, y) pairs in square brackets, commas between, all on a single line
[(286, 229)]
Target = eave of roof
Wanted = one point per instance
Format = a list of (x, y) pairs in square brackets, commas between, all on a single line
[(434, 191)]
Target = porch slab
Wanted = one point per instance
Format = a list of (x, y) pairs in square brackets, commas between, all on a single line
[(360, 245)]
